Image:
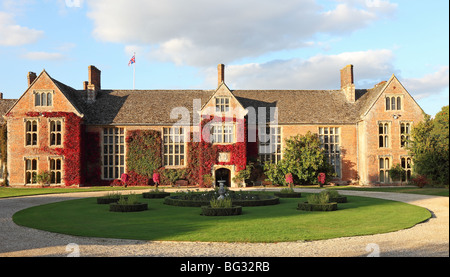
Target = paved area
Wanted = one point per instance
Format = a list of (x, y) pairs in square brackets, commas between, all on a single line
[(428, 239)]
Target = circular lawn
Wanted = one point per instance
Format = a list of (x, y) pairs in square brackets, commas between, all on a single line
[(274, 223)]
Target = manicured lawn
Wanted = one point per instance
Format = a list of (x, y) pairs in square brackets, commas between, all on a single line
[(283, 222), (6, 192), (413, 190)]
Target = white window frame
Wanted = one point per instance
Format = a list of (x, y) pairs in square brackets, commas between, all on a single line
[(174, 146), (330, 141), (113, 153), (270, 144)]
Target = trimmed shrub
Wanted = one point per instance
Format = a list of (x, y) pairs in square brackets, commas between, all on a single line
[(109, 198), (156, 193), (323, 207), (116, 207), (334, 196), (287, 193), (209, 211)]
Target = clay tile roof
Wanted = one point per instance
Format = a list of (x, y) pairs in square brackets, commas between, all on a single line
[(149, 107), (302, 106), (153, 107), (5, 105)]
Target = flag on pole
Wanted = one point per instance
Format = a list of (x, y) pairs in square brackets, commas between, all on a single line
[(132, 61)]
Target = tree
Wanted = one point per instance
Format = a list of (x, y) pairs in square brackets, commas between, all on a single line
[(429, 145), (303, 158)]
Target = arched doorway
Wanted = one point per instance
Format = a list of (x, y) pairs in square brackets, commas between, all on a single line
[(223, 174)]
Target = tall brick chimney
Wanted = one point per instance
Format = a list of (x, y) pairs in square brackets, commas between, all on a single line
[(31, 77), (347, 83), (221, 74), (94, 83)]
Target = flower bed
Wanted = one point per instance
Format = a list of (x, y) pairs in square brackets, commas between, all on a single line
[(210, 211), (323, 207)]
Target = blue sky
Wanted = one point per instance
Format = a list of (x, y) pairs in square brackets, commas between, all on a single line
[(265, 44)]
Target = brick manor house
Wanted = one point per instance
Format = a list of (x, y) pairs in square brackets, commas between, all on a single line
[(86, 137)]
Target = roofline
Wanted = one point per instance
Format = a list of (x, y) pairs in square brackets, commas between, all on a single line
[(393, 77)]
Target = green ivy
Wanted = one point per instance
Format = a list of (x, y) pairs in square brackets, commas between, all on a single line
[(144, 152)]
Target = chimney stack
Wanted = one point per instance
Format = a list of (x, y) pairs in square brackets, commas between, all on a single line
[(347, 83), (94, 83), (31, 77), (1, 95), (221, 74), (85, 85)]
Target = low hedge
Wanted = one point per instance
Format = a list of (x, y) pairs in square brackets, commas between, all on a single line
[(175, 201), (339, 199), (155, 194), (114, 207), (108, 200), (326, 207), (209, 211), (288, 195)]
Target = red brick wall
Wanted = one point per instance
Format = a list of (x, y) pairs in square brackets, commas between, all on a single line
[(17, 151), (369, 143)]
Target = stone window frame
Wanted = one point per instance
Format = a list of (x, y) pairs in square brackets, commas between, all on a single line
[(332, 147), (385, 134), (222, 104), (408, 170), (56, 133), (276, 148), (405, 136), (173, 137), (56, 170), (398, 101), (113, 152), (43, 95), (383, 167), (32, 171), (31, 132)]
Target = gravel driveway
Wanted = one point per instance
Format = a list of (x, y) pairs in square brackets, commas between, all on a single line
[(428, 239)]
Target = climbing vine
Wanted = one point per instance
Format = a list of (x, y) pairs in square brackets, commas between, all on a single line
[(72, 147)]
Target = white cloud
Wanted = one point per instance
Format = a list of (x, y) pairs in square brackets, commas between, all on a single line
[(12, 34), (430, 84), (317, 72), (201, 33), (43, 56)]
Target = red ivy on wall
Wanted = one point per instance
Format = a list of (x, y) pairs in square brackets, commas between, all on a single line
[(203, 155), (72, 148)]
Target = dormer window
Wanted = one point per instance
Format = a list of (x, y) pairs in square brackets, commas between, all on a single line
[(222, 104), (43, 99)]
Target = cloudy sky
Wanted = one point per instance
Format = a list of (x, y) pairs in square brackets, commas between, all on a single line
[(265, 44)]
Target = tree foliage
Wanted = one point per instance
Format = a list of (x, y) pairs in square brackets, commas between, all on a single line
[(303, 158), (429, 147)]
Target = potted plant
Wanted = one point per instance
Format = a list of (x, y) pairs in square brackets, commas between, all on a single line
[(44, 178)]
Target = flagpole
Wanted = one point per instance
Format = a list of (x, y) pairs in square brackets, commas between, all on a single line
[(134, 71)]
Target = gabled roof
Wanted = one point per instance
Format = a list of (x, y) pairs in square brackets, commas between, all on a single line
[(154, 107), (67, 91)]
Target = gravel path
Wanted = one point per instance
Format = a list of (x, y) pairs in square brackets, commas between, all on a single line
[(428, 239)]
